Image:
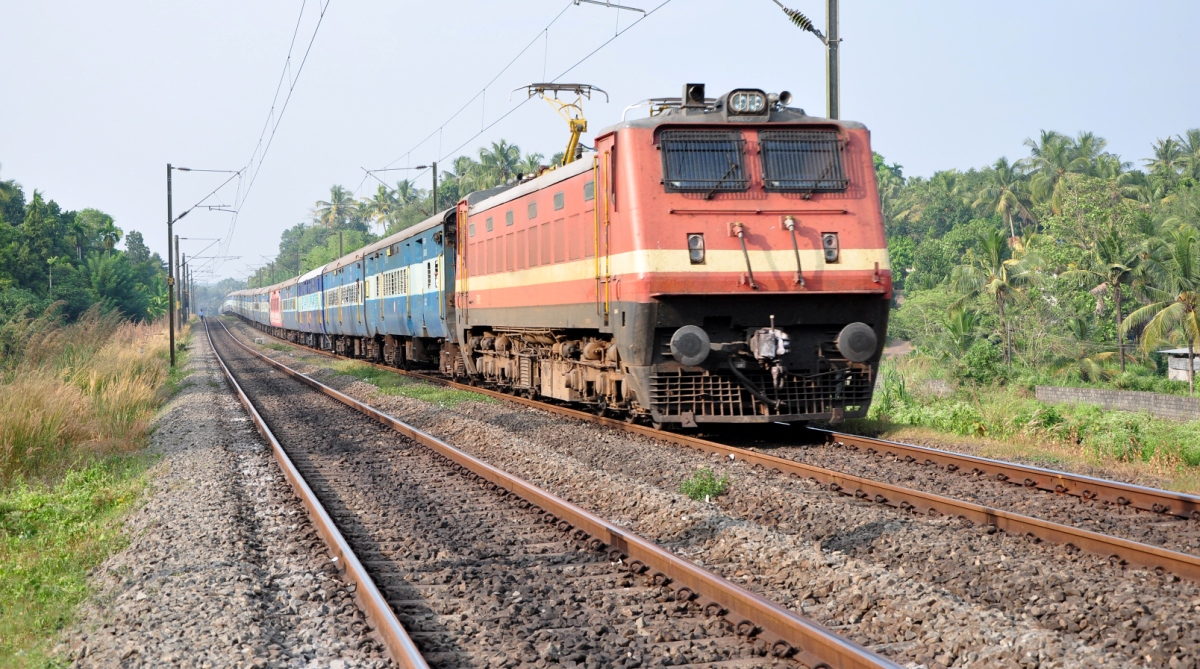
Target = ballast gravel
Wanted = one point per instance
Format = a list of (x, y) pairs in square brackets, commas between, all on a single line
[(223, 567), (925, 592)]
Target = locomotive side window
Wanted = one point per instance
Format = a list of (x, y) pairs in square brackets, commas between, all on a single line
[(560, 200), (801, 161), (488, 224), (703, 161), (508, 217), (532, 210), (589, 191)]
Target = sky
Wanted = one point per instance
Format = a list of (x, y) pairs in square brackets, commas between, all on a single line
[(99, 97)]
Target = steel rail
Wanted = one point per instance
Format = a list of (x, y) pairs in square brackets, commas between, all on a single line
[(400, 646), (1165, 502), (1117, 549), (788, 634)]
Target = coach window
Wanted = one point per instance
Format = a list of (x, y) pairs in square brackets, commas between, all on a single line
[(488, 224), (532, 210), (589, 191), (560, 200), (508, 217)]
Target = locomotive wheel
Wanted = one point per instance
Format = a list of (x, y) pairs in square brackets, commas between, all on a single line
[(602, 408), (656, 425)]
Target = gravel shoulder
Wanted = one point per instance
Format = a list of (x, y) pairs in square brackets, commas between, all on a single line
[(925, 592), (223, 567)]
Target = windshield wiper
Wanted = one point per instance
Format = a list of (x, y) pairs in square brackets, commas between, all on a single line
[(732, 168)]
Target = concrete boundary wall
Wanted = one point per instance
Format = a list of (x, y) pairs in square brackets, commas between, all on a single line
[(1164, 406)]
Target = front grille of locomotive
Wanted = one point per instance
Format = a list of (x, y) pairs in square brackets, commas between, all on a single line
[(720, 394)]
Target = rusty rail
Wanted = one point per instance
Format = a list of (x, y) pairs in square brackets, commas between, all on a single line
[(788, 634), (400, 646), (1119, 550), (1165, 502)]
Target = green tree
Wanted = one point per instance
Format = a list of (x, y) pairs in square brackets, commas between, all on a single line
[(113, 284), (502, 159), (1111, 266), (992, 271), (1176, 293), (110, 234), (334, 212), (1005, 194)]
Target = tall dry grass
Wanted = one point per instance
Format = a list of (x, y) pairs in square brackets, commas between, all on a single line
[(74, 391)]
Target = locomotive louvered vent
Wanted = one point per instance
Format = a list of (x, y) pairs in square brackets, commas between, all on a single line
[(801, 161), (703, 161)]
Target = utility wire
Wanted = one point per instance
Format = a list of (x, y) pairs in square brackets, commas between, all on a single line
[(251, 168), (560, 76), (483, 90)]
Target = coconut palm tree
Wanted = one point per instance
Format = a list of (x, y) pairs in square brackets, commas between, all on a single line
[(1175, 312), (502, 158), (1005, 194), (109, 235), (334, 212), (382, 207), (1051, 157), (960, 327), (531, 165), (1112, 265), (1189, 144), (995, 272), (1167, 160), (406, 192)]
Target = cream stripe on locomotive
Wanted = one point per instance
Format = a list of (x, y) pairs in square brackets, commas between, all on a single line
[(655, 261)]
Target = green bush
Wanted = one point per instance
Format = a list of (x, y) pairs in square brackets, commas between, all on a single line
[(704, 484), (983, 364)]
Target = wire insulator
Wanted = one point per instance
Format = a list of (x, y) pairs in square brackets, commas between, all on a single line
[(802, 21)]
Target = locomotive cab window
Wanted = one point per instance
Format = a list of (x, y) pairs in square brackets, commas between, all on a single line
[(805, 161), (703, 161), (589, 191)]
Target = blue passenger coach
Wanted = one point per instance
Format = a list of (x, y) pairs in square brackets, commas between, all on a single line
[(393, 300)]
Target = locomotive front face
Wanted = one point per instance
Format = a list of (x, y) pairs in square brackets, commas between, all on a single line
[(749, 277)]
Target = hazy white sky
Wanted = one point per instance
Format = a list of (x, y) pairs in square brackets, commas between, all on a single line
[(98, 97)]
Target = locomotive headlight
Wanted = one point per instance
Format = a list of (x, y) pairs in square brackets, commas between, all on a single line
[(829, 240), (747, 102), (696, 248)]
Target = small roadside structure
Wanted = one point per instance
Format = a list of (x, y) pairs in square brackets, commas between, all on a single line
[(1177, 363)]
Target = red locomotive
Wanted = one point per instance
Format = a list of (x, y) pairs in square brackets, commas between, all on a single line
[(722, 261)]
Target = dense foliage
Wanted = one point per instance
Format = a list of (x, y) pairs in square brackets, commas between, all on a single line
[(49, 255), (1067, 263), (343, 223)]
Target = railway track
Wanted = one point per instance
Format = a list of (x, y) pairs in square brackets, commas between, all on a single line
[(1118, 549), (460, 564)]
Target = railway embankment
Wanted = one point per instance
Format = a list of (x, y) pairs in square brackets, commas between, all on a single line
[(926, 592), (222, 566)]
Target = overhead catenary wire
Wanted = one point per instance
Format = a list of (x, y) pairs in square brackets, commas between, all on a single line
[(261, 148), (560, 76), (483, 91)]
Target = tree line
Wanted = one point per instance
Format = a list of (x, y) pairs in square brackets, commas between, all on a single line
[(50, 256), (342, 222), (1067, 262)]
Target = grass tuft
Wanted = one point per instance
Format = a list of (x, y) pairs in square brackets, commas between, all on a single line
[(703, 484), (76, 401), (390, 383), (51, 536)]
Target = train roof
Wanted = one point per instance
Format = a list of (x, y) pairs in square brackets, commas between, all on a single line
[(547, 179), (714, 111), (406, 233), (312, 273)]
